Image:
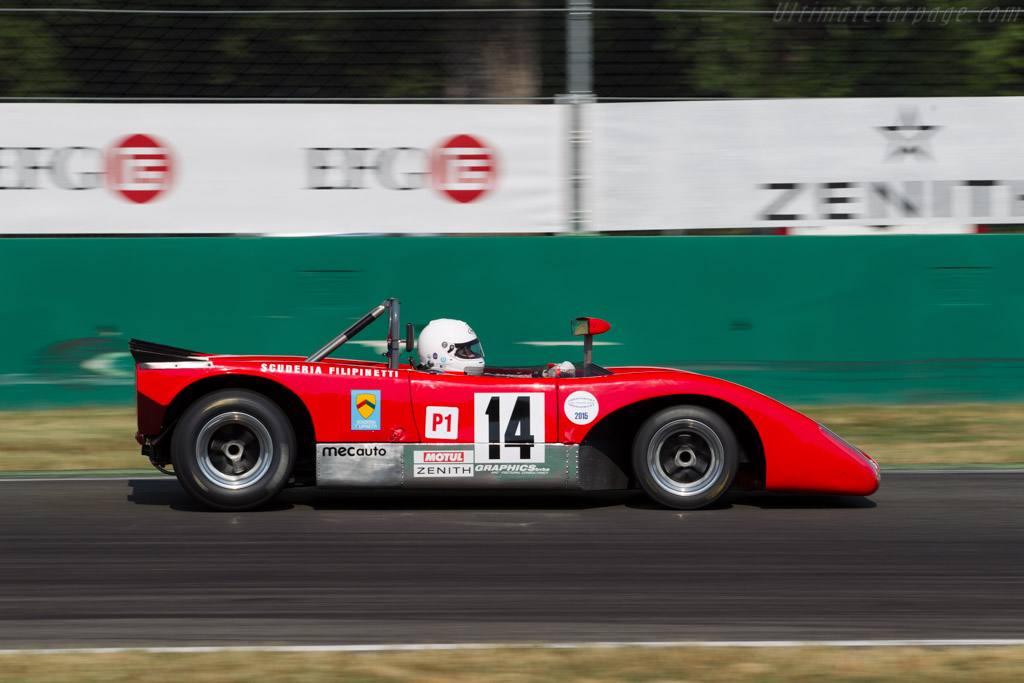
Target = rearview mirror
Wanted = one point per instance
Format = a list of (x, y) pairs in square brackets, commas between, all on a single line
[(410, 337), (585, 326)]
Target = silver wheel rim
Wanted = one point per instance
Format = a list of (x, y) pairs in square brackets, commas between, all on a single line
[(685, 457), (234, 450)]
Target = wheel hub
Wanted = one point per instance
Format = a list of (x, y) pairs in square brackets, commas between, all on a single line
[(234, 450), (685, 457)]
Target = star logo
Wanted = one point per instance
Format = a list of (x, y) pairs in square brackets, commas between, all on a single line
[(908, 136)]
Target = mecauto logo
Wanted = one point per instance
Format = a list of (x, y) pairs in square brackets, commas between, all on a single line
[(462, 168), (138, 168), (351, 451)]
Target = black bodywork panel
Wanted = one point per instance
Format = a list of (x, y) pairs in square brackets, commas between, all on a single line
[(149, 352)]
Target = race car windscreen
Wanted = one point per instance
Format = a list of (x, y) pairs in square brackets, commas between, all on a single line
[(470, 349)]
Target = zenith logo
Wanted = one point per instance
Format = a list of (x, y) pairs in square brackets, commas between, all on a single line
[(908, 136)]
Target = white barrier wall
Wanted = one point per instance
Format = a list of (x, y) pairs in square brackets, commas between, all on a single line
[(823, 166), (280, 168), (934, 163)]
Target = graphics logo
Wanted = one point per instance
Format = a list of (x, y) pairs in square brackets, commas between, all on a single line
[(365, 410)]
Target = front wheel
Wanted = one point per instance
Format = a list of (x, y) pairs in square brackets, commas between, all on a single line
[(233, 450), (685, 457)]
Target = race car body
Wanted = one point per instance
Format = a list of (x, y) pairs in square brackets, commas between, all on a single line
[(237, 429)]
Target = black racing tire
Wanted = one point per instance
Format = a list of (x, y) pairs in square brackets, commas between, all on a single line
[(233, 450), (685, 456)]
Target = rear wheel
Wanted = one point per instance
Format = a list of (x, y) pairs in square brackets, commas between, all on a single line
[(233, 449), (685, 457)]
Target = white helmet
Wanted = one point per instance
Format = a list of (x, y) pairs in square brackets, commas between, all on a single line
[(447, 344)]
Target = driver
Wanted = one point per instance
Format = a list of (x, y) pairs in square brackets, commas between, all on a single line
[(445, 345)]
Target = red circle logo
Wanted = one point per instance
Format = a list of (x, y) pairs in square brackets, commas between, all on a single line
[(139, 168), (463, 168)]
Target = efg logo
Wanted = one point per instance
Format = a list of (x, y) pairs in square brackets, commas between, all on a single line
[(137, 168), (462, 168)]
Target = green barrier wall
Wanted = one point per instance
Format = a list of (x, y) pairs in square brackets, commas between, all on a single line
[(804, 319)]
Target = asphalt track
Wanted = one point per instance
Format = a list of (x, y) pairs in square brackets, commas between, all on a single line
[(137, 563)]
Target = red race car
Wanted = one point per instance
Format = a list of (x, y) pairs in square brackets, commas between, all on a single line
[(238, 429)]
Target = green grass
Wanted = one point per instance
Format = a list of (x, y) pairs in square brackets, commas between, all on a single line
[(70, 439), (766, 665), (953, 434), (896, 436)]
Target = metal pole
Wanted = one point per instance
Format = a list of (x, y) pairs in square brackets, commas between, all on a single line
[(579, 49), (394, 333)]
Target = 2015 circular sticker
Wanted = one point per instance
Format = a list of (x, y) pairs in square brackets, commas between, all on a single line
[(581, 407)]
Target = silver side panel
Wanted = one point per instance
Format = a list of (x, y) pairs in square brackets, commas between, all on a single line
[(445, 466), (352, 465)]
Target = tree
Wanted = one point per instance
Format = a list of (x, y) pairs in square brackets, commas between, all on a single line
[(502, 60), (30, 54), (839, 50)]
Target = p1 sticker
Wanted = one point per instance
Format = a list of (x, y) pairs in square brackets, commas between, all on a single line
[(366, 410), (581, 407), (442, 423)]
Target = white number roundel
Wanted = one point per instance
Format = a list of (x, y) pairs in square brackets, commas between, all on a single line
[(581, 407)]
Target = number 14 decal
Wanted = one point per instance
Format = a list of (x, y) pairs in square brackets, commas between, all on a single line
[(512, 425)]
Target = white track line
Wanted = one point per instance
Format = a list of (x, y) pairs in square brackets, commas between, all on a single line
[(419, 647), (118, 478), (1008, 470)]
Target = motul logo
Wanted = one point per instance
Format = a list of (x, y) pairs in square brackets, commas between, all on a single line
[(445, 456), (462, 169), (137, 168)]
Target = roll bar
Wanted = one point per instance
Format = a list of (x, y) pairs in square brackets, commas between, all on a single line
[(354, 329), (393, 306)]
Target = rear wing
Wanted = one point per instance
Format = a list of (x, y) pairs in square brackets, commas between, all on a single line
[(148, 352)]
